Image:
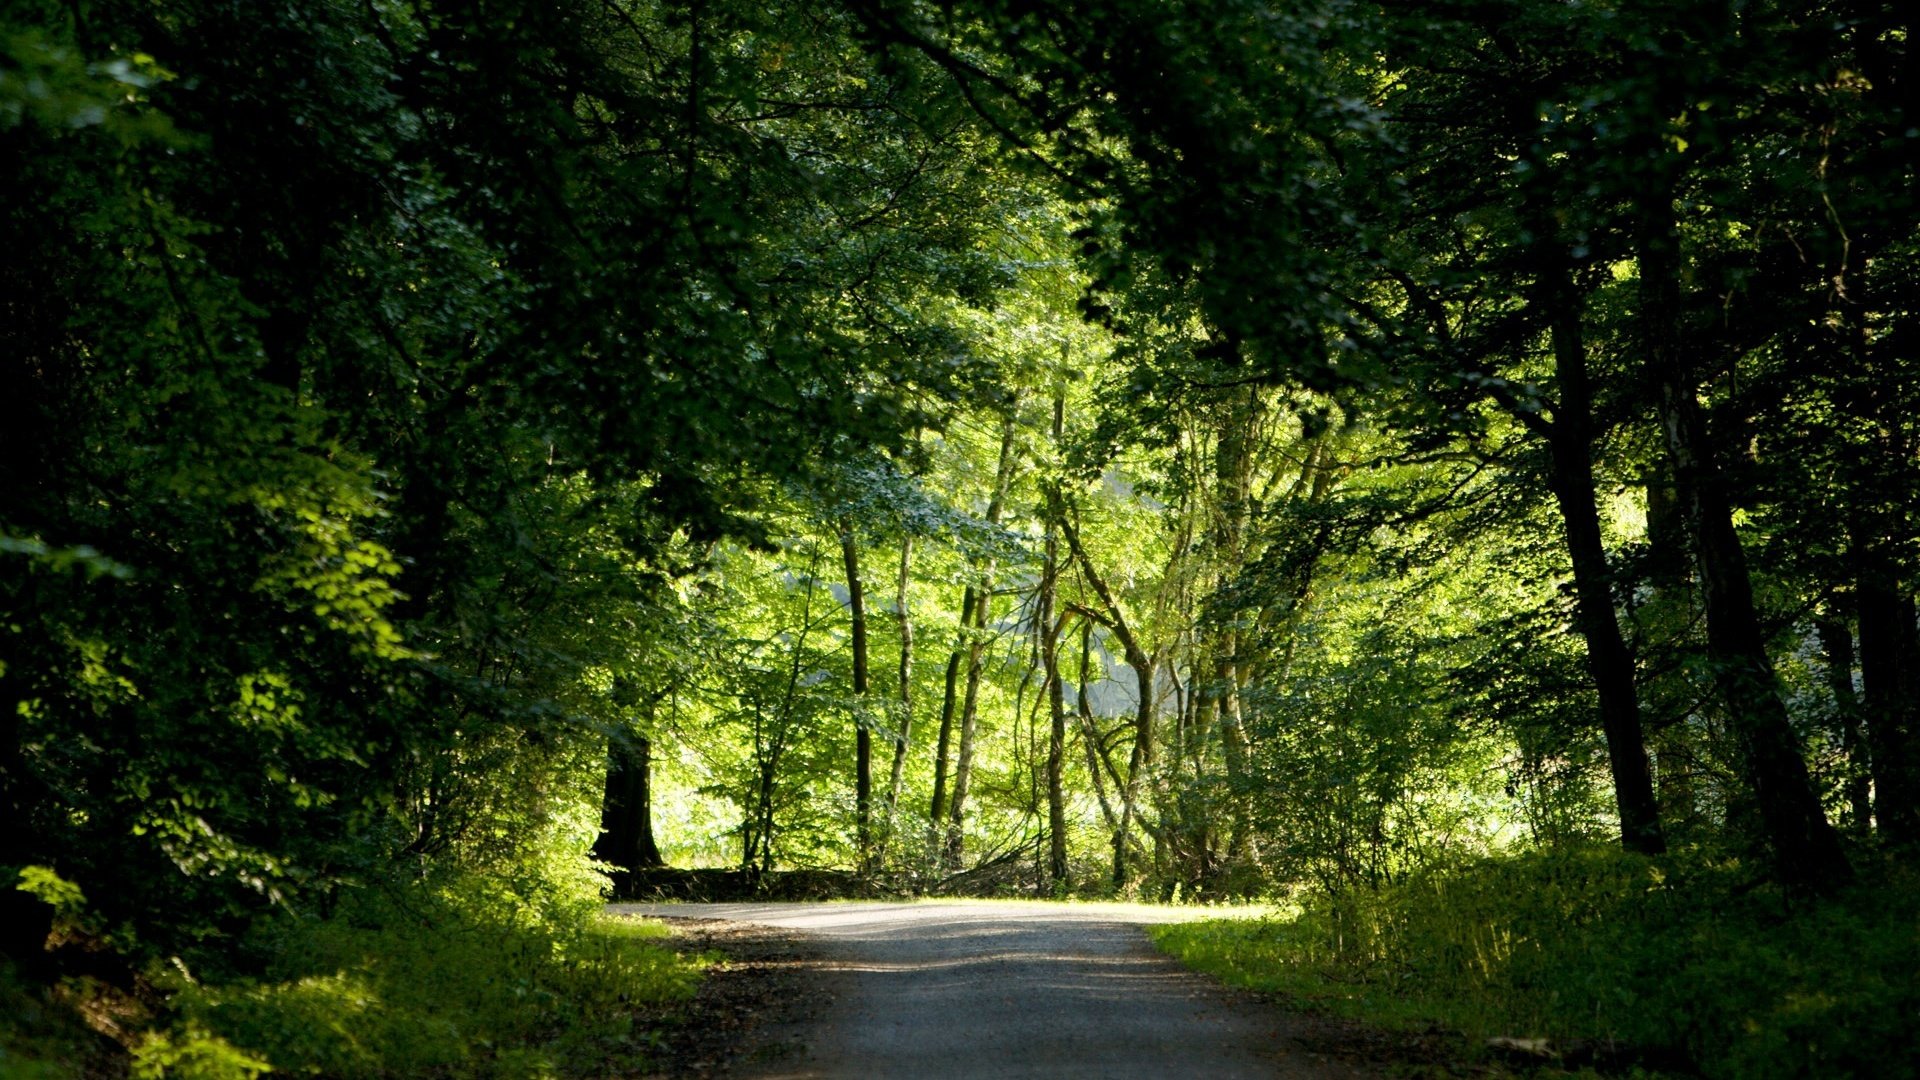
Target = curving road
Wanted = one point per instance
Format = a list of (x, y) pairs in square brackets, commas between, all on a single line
[(934, 990)]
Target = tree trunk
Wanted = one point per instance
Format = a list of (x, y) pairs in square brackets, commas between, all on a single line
[(1836, 641), (862, 735), (1056, 696), (969, 714), (1609, 662), (901, 740), (1233, 474), (1089, 729), (1141, 757), (1889, 663), (955, 845), (1056, 773), (1806, 849), (626, 813), (1138, 761), (937, 812)]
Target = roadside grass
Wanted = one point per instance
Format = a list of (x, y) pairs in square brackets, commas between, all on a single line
[(1674, 962), (385, 987)]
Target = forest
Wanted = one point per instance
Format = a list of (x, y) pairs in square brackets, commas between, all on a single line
[(1448, 469)]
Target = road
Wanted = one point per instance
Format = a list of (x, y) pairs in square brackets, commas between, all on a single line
[(935, 990)]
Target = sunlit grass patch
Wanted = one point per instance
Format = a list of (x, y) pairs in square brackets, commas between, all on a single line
[(631, 928), (431, 991)]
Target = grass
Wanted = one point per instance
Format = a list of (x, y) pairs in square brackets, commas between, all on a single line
[(1680, 960), (384, 989)]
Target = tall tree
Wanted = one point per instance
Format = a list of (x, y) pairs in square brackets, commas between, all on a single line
[(976, 641), (1048, 630), (863, 734)]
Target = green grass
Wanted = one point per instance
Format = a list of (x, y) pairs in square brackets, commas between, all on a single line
[(453, 998), (1680, 959), (419, 984)]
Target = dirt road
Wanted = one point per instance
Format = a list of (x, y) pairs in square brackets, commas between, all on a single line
[(928, 991)]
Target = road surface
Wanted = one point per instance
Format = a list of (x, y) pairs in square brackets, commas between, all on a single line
[(934, 990)]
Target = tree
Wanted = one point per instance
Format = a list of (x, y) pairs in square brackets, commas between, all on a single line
[(367, 353)]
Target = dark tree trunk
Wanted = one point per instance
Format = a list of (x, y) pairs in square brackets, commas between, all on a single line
[(1049, 633), (1806, 848), (1889, 665), (1233, 475), (969, 727), (1836, 641), (1056, 771), (862, 735), (937, 812), (1139, 760), (1570, 439), (626, 814), (901, 741)]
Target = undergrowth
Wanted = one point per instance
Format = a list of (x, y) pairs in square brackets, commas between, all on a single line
[(1681, 960), (418, 983)]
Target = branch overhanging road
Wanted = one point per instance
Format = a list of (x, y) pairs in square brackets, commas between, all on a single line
[(935, 990)]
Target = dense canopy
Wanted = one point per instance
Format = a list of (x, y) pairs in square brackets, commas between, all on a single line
[(468, 450)]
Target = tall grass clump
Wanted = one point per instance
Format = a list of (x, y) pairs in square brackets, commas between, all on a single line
[(439, 983), (1682, 959)]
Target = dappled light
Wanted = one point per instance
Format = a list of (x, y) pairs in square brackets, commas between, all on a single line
[(1415, 506)]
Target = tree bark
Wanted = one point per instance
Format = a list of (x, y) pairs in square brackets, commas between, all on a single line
[(1889, 664), (937, 811), (626, 813), (900, 743), (1233, 473), (1570, 439), (1049, 633), (1806, 848), (1089, 729), (955, 846), (862, 734)]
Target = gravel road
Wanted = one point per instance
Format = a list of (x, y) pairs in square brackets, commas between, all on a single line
[(934, 990)]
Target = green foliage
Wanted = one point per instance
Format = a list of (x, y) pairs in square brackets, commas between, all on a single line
[(1680, 955), (450, 983), (192, 1054), (366, 419), (63, 896), (413, 402)]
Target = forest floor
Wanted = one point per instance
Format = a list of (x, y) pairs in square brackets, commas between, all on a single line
[(994, 989)]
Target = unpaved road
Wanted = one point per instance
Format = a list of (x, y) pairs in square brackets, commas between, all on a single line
[(927, 991)]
